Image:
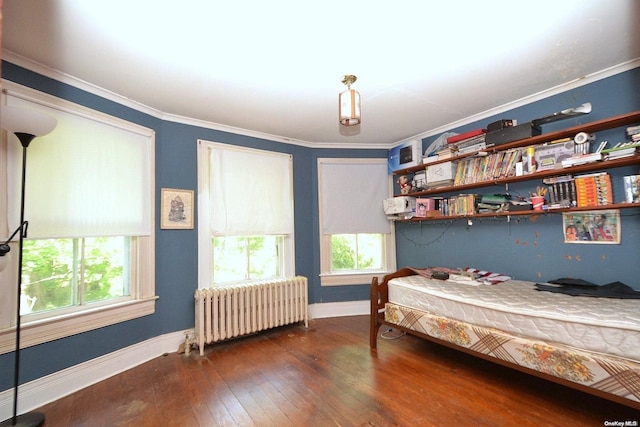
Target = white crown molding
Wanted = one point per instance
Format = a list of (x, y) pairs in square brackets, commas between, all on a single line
[(564, 87), (54, 74), (96, 90)]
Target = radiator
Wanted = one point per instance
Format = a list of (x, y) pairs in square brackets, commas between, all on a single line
[(225, 312)]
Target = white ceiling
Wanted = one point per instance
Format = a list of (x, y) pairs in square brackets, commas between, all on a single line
[(276, 67)]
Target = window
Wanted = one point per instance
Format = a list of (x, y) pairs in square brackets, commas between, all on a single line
[(88, 254), (356, 239), (63, 273), (244, 258), (351, 252), (245, 214)]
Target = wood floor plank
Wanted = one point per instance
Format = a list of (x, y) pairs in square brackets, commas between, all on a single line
[(326, 375)]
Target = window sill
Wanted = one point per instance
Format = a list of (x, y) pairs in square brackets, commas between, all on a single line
[(41, 331), (349, 279)]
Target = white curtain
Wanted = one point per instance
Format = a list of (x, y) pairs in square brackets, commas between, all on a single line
[(251, 192), (88, 177), (351, 195)]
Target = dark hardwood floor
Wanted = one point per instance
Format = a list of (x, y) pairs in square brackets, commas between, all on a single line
[(327, 376)]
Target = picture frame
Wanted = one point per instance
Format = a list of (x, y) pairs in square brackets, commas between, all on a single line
[(176, 209), (592, 227)]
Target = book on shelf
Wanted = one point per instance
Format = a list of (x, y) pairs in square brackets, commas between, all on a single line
[(593, 189), (562, 191), (582, 159), (622, 149), (465, 135), (446, 152), (633, 132), (427, 207), (632, 188), (462, 204), (621, 153)]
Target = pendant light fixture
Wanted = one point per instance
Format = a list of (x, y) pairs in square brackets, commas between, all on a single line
[(349, 103)]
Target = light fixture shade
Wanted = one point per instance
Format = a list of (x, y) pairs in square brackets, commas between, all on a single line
[(349, 108), (25, 120)]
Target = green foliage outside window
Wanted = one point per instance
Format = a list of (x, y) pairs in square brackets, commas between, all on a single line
[(356, 252), (240, 258), (59, 273)]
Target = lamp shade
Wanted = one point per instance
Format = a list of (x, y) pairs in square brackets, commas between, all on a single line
[(25, 120), (349, 107)]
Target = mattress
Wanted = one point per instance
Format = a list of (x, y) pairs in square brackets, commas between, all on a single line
[(602, 325)]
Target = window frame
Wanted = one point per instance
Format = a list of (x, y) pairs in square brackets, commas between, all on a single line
[(205, 240), (40, 329), (353, 277)]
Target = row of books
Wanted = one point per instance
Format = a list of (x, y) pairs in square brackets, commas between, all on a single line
[(584, 190), (468, 204), (594, 190), (486, 168), (463, 204)]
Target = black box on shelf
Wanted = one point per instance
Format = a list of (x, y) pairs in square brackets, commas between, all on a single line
[(508, 134), (501, 124)]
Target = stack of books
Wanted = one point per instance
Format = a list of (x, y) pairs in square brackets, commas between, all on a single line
[(625, 149), (622, 149), (447, 152), (633, 132), (468, 142), (593, 189), (493, 203), (581, 159)]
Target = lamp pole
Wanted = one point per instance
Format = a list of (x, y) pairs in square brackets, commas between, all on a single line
[(32, 419), (19, 120)]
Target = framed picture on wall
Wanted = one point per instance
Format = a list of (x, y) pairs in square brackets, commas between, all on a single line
[(176, 209), (592, 227)]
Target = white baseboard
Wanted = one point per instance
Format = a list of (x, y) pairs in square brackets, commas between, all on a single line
[(52, 387), (339, 309)]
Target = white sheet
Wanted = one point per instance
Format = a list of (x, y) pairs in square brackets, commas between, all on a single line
[(604, 325)]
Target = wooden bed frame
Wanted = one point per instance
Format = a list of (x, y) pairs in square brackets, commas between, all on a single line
[(379, 296)]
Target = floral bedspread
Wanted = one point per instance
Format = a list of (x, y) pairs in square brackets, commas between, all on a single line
[(610, 374)]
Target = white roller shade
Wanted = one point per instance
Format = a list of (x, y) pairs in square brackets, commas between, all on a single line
[(251, 192), (91, 176), (351, 195)]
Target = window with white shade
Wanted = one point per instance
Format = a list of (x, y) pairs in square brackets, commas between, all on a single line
[(245, 214), (356, 239), (89, 197)]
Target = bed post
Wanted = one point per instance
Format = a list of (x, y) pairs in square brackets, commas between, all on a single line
[(373, 325)]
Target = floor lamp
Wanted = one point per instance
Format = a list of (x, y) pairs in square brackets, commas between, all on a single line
[(25, 124)]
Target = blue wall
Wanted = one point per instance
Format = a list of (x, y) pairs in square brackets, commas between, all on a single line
[(176, 250), (533, 248), (529, 249)]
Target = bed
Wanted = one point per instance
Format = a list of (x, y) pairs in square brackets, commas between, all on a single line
[(590, 344)]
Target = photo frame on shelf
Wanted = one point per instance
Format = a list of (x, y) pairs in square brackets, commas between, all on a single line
[(594, 227), (176, 209)]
